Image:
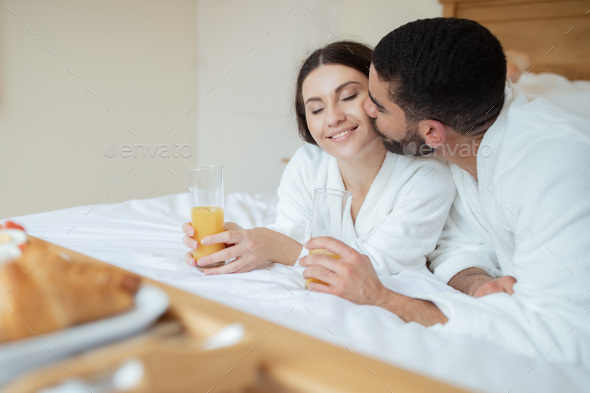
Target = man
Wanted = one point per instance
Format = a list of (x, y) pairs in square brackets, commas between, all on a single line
[(517, 241)]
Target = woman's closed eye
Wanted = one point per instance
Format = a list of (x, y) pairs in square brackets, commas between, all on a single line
[(350, 97), (346, 97)]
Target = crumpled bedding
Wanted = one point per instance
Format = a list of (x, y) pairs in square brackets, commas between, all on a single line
[(144, 236)]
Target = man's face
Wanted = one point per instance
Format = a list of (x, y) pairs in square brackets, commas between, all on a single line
[(389, 121)]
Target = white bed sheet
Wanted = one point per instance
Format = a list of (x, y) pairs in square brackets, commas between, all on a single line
[(573, 96), (144, 236)]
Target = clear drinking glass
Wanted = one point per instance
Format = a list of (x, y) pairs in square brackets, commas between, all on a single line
[(205, 184), (330, 208)]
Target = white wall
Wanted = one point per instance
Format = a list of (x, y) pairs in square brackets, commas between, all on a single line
[(370, 20), (76, 76), (214, 77), (248, 57)]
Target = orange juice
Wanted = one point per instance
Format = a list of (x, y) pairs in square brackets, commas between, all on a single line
[(321, 251), (207, 220)]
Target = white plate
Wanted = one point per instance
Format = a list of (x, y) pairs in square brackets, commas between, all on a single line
[(20, 356)]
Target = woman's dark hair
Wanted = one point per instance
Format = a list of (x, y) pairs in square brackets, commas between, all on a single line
[(446, 69), (347, 53)]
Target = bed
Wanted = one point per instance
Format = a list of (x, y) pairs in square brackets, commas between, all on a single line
[(144, 236), (555, 32)]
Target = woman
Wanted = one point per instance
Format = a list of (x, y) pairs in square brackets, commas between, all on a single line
[(399, 204)]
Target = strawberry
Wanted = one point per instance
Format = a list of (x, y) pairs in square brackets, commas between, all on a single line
[(12, 225)]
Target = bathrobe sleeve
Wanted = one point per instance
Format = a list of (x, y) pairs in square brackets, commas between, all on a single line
[(294, 209), (460, 247)]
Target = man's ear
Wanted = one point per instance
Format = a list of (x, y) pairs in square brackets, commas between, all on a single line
[(434, 132)]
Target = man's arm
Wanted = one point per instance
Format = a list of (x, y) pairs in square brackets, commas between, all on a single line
[(353, 278), (411, 310), (477, 283), (469, 280)]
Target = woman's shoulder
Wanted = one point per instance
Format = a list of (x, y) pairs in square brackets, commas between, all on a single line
[(305, 164), (308, 150)]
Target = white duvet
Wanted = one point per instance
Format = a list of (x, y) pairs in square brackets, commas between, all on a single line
[(144, 236)]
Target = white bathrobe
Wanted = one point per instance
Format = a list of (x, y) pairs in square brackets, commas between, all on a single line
[(528, 217), (400, 220)]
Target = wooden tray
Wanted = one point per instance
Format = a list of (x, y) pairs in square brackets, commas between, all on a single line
[(270, 358)]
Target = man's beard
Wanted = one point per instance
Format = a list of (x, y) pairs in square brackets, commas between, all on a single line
[(412, 145)]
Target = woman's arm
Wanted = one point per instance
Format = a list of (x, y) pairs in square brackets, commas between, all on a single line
[(251, 248)]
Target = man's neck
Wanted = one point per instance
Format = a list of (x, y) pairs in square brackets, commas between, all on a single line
[(461, 150)]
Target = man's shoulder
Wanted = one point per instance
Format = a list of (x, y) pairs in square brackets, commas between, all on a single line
[(536, 130), (542, 148), (542, 122)]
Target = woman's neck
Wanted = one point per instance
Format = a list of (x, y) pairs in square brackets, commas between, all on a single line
[(358, 175)]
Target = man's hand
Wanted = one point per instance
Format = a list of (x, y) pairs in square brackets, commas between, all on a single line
[(500, 284), (477, 282), (351, 277)]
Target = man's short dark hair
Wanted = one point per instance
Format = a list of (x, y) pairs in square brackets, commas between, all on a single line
[(446, 69)]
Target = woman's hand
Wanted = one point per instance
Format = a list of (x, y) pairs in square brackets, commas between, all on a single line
[(248, 248), (351, 277), (191, 243)]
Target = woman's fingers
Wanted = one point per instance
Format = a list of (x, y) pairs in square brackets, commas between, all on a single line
[(232, 226), (190, 242), (220, 256), (188, 229), (237, 266), (242, 247), (188, 258), (226, 237)]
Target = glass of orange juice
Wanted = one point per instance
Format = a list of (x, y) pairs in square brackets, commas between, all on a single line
[(206, 202), (331, 208)]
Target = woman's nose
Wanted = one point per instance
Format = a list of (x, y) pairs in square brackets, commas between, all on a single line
[(335, 116)]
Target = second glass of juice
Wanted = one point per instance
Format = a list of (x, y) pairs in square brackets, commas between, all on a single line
[(330, 208), (206, 202)]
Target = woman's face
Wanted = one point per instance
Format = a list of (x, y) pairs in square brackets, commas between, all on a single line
[(333, 96)]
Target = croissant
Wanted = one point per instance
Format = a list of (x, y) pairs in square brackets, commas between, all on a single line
[(46, 291)]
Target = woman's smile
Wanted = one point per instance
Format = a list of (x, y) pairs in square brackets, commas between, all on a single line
[(342, 134)]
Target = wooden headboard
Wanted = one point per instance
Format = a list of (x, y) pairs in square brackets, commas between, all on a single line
[(556, 33)]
